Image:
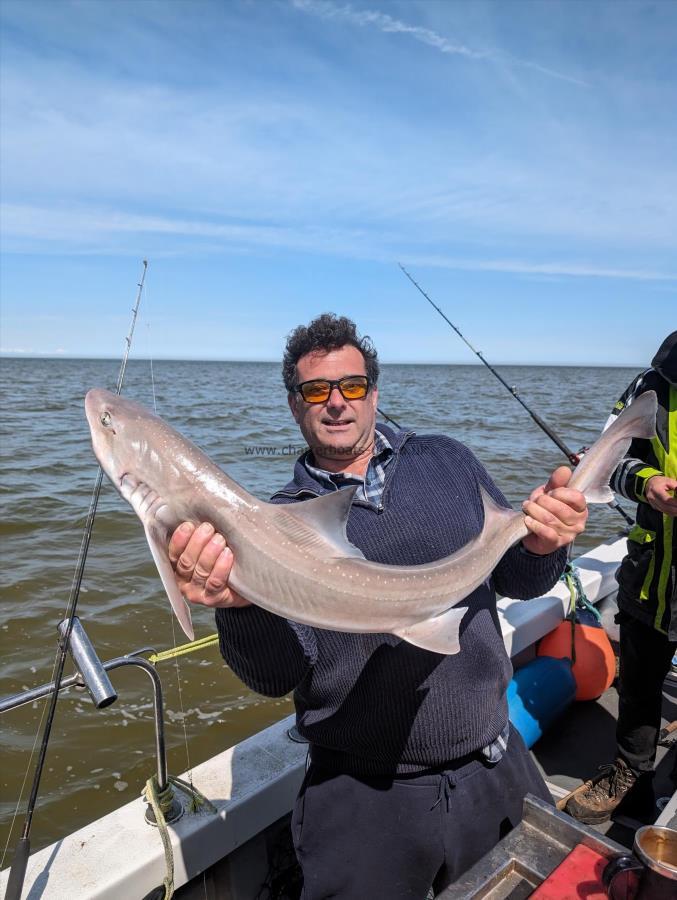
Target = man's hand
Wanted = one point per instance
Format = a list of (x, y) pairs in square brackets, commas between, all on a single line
[(554, 514), (202, 563), (660, 493)]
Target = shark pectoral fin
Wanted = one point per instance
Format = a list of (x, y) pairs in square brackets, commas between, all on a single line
[(157, 541), (439, 634)]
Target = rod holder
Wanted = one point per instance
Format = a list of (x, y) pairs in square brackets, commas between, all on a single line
[(88, 664), (133, 659), (173, 814)]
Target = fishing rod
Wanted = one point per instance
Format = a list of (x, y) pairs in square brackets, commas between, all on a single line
[(20, 861), (387, 417), (574, 458)]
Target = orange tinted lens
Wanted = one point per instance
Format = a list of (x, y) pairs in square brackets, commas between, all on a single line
[(353, 388), (315, 391)]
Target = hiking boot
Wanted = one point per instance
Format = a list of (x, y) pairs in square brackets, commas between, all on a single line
[(605, 794)]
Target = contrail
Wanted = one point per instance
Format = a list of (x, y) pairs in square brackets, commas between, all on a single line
[(325, 9)]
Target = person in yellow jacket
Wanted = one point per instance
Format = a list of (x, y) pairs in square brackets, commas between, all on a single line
[(647, 599)]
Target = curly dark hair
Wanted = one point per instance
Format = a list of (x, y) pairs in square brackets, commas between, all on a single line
[(326, 332)]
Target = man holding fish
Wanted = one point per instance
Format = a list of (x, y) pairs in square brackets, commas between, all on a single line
[(414, 770)]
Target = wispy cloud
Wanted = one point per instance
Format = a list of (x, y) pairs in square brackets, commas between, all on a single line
[(253, 144), (101, 229), (29, 351), (287, 161), (553, 267), (388, 25)]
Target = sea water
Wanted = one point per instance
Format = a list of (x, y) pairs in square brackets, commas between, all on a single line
[(238, 414)]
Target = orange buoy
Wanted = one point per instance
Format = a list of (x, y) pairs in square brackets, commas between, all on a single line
[(595, 666)]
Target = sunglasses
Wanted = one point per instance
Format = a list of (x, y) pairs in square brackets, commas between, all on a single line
[(352, 387)]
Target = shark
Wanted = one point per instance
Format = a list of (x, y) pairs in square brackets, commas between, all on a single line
[(295, 560)]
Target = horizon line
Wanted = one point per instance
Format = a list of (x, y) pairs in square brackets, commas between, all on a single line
[(8, 354)]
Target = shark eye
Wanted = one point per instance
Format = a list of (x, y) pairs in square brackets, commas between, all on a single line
[(106, 419)]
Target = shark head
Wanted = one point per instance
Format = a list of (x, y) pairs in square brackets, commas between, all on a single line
[(131, 445), (133, 448), (118, 446)]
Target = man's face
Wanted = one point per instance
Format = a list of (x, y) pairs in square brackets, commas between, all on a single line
[(338, 428)]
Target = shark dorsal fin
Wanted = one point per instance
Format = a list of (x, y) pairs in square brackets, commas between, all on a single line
[(321, 520)]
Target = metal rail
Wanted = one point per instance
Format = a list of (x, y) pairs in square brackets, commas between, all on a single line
[(76, 680)]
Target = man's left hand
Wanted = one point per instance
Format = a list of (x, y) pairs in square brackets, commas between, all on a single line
[(554, 514), (661, 493)]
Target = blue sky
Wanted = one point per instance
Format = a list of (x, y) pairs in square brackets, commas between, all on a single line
[(273, 160)]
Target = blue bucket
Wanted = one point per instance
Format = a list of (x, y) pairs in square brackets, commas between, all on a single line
[(538, 693)]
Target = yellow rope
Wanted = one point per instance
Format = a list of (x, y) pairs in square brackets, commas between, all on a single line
[(182, 649), (161, 801)]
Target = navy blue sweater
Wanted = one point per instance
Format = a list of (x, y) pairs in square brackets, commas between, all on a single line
[(372, 704)]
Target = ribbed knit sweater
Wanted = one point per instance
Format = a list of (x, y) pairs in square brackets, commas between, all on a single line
[(373, 704)]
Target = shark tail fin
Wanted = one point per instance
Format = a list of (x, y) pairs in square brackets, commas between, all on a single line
[(157, 541), (638, 420), (439, 634), (641, 415)]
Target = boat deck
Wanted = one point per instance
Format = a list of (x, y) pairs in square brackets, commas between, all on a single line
[(527, 856), (583, 739)]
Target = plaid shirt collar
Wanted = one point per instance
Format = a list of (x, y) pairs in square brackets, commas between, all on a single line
[(374, 481)]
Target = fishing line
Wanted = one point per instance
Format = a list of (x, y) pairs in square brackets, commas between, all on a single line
[(189, 769), (45, 707), (152, 378), (177, 666), (25, 778), (20, 861), (574, 458), (149, 345)]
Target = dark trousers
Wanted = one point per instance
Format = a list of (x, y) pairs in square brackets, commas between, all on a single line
[(645, 657), (388, 839)]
